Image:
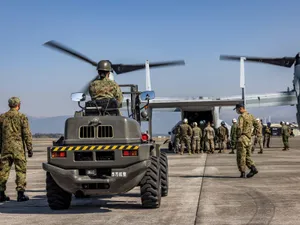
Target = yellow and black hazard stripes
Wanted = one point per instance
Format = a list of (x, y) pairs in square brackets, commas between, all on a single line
[(95, 147)]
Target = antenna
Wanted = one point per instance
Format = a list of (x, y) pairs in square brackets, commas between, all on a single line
[(148, 79), (242, 79)]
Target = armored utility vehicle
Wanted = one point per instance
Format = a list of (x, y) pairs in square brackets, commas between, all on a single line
[(105, 153)]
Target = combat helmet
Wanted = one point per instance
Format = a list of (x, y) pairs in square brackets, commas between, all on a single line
[(104, 65), (222, 123)]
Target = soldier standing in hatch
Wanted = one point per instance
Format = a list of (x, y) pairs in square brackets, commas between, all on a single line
[(258, 137), (209, 136), (197, 135), (246, 121), (233, 136), (267, 135), (104, 87), (14, 132), (223, 137), (185, 136)]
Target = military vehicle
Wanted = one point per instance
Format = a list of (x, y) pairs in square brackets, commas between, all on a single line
[(105, 153)]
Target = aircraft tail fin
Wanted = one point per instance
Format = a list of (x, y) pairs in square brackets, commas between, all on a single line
[(148, 79)]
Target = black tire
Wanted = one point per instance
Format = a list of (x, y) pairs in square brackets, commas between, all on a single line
[(58, 199), (151, 185), (164, 174)]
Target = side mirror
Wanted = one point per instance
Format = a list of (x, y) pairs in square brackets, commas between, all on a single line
[(78, 97), (147, 95)]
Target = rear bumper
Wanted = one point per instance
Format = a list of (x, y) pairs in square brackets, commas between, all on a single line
[(71, 181)]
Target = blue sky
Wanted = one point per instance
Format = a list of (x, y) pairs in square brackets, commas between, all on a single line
[(131, 32)]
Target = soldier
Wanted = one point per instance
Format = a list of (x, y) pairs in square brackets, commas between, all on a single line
[(222, 137), (14, 132), (104, 87), (258, 137), (176, 131), (285, 136), (185, 136), (267, 135), (209, 136), (197, 135), (233, 136), (245, 123), (202, 127)]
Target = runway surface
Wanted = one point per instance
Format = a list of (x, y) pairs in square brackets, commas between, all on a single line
[(204, 189)]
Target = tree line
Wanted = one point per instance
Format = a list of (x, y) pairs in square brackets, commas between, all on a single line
[(47, 135)]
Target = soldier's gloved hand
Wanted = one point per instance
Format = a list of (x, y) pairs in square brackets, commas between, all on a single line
[(30, 153)]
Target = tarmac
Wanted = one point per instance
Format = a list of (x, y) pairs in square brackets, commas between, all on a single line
[(204, 189)]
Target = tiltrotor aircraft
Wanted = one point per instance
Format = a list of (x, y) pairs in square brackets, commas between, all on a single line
[(287, 62)]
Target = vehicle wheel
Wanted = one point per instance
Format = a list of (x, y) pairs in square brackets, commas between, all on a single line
[(57, 198), (151, 185), (164, 174)]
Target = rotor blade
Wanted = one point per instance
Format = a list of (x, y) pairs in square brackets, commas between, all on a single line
[(62, 48), (85, 89), (125, 68), (284, 62)]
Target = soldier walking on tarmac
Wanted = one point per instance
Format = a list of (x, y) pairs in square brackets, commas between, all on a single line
[(15, 134), (246, 121), (185, 136), (267, 135), (222, 137), (209, 136)]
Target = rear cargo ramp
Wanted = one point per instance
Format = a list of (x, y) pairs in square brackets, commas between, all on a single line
[(151, 185)]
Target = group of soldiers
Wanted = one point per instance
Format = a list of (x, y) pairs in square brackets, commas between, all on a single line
[(205, 137), (244, 135)]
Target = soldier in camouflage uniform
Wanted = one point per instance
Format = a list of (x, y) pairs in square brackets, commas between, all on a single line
[(285, 136), (176, 131), (222, 137), (202, 143), (258, 137), (209, 136), (246, 121), (267, 135), (185, 136), (233, 136), (196, 137), (14, 136), (104, 87)]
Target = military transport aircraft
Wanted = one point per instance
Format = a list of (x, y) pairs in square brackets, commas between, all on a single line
[(208, 109)]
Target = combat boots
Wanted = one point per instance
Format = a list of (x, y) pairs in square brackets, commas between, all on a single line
[(3, 197), (232, 152), (252, 172), (260, 152), (22, 197), (243, 175)]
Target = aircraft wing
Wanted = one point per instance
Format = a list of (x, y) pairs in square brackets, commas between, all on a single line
[(267, 100)]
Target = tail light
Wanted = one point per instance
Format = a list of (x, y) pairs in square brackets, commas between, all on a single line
[(145, 137), (59, 154), (130, 153)]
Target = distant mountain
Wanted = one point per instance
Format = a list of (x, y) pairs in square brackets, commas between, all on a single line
[(164, 121)]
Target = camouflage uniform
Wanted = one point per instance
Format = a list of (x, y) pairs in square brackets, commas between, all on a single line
[(233, 137), (185, 137), (222, 137), (202, 142), (267, 135), (285, 137), (177, 139), (209, 136), (197, 135), (258, 138), (246, 121), (14, 136), (105, 88)]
